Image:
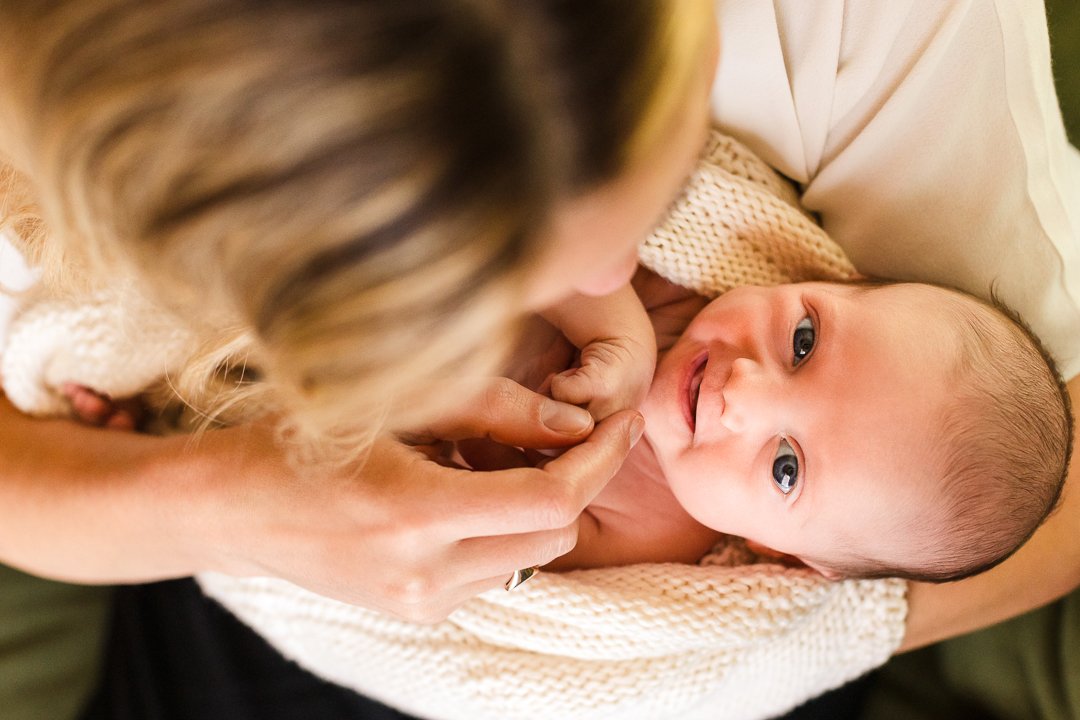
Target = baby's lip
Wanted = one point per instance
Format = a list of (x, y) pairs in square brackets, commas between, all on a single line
[(691, 389), (710, 403)]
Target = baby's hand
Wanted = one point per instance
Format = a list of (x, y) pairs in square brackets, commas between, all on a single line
[(618, 352), (94, 408), (614, 375)]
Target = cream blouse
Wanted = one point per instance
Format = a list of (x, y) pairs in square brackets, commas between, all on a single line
[(925, 135)]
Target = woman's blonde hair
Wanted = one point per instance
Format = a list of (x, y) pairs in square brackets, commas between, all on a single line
[(342, 195)]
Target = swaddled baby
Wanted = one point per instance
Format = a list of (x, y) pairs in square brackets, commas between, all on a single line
[(866, 429)]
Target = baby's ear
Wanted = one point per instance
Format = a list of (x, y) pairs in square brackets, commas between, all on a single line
[(764, 551), (790, 560), (828, 573)]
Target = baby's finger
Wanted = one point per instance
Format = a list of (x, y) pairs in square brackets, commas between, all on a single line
[(121, 420), (577, 386), (599, 392), (89, 407), (132, 408)]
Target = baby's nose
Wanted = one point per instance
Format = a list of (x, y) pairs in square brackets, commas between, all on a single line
[(747, 398)]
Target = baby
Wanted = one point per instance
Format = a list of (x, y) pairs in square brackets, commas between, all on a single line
[(866, 430), (863, 429)]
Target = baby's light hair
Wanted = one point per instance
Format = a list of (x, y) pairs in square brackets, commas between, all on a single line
[(1003, 442)]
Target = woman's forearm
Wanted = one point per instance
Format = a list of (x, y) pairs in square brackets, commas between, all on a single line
[(1046, 568), (90, 505), (400, 533)]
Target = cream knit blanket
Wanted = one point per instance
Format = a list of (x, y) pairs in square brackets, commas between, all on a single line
[(725, 639)]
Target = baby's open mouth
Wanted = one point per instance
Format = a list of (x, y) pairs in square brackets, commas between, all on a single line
[(695, 392)]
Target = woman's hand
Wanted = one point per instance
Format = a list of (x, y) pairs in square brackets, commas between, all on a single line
[(402, 534), (407, 535)]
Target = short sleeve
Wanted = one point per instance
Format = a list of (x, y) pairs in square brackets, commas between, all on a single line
[(927, 138)]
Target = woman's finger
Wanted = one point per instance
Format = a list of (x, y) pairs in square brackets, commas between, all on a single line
[(476, 566), (503, 554), (430, 610), (522, 500), (511, 415)]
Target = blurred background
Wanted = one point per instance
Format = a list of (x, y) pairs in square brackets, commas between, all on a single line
[(1064, 18)]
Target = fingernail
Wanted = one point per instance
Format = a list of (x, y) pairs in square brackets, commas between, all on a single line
[(566, 419), (637, 429)]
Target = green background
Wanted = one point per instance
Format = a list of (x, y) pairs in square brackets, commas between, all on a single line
[(1064, 18)]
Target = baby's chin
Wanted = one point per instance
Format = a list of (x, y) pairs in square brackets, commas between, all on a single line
[(652, 409), (658, 433), (663, 391), (665, 420)]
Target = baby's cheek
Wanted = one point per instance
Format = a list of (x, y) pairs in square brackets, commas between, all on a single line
[(690, 485), (705, 486)]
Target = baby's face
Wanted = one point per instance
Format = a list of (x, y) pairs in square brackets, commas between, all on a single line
[(798, 416)]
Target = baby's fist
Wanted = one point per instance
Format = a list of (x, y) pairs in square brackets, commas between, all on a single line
[(614, 374)]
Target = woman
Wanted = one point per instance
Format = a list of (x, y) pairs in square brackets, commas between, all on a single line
[(377, 185), (564, 172)]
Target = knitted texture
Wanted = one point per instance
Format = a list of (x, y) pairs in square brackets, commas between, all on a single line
[(114, 340), (729, 638), (737, 222)]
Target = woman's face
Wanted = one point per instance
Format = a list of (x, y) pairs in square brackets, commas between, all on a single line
[(593, 243)]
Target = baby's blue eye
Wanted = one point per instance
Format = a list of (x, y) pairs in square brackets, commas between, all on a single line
[(785, 468), (802, 342)]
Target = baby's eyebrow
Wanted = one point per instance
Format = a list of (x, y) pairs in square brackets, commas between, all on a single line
[(824, 306)]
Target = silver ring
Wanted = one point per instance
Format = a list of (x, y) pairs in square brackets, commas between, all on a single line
[(520, 576)]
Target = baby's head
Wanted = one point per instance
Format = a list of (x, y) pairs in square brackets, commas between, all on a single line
[(870, 430)]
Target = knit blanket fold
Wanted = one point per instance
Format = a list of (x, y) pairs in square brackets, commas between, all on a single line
[(731, 638)]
